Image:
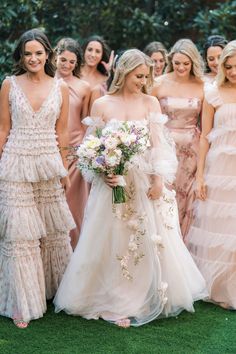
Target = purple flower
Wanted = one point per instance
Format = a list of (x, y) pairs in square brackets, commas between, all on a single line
[(100, 160)]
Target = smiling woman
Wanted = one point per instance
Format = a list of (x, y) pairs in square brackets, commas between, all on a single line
[(130, 265), (180, 93), (34, 217), (68, 62), (96, 61)]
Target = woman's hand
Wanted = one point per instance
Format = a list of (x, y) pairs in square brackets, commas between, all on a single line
[(201, 189), (112, 180), (108, 66), (155, 191), (65, 181)]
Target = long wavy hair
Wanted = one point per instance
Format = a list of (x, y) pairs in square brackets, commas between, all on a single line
[(129, 61), (72, 46), (228, 52), (105, 51), (187, 47), (18, 54)]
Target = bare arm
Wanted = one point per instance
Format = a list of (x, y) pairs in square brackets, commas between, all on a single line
[(5, 118), (61, 130), (207, 124), (86, 100), (95, 94)]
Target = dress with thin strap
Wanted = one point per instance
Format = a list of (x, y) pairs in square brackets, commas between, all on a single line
[(78, 192), (34, 217), (183, 114)]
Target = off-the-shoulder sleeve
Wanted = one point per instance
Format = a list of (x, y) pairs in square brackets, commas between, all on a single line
[(212, 96), (161, 158)]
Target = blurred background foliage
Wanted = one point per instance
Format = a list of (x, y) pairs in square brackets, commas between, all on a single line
[(123, 23)]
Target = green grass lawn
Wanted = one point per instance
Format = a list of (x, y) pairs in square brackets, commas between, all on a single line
[(210, 329)]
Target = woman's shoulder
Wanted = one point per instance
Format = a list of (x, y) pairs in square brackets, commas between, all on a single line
[(152, 103), (80, 85)]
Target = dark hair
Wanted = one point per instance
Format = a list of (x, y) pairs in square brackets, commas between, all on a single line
[(112, 71), (213, 41), (74, 47), (18, 54), (105, 51), (155, 47)]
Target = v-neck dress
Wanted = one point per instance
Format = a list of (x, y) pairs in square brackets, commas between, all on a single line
[(34, 217)]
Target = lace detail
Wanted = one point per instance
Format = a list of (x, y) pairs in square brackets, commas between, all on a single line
[(31, 152)]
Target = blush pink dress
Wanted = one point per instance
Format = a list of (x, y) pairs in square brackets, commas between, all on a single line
[(77, 194), (34, 217), (183, 114), (212, 237)]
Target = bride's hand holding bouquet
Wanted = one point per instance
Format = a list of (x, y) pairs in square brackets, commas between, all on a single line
[(109, 151)]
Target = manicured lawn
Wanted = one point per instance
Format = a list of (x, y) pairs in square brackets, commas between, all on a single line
[(209, 330)]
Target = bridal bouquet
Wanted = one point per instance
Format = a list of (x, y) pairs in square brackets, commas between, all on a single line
[(111, 148)]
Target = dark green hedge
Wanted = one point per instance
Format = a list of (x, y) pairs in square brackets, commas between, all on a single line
[(124, 23)]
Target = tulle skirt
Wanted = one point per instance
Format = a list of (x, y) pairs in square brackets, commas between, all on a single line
[(212, 238), (130, 261)]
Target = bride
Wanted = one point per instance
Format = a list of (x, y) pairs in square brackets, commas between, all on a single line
[(130, 265)]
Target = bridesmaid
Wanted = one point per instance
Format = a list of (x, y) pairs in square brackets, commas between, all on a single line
[(180, 93), (101, 90), (212, 52), (157, 52), (95, 66), (34, 218), (212, 237), (68, 62)]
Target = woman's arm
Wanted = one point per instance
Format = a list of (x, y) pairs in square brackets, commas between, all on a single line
[(61, 130), (95, 94), (208, 112), (86, 100), (5, 117)]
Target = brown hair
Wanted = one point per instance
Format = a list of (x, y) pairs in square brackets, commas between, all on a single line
[(18, 54)]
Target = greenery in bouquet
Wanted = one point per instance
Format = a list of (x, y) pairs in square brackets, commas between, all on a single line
[(111, 148)]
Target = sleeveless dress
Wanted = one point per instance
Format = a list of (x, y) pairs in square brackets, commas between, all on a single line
[(130, 260), (34, 217), (78, 192), (212, 237), (183, 114)]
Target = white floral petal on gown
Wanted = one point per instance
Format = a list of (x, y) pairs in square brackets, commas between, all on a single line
[(130, 261)]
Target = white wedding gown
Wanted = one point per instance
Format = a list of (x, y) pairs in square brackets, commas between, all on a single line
[(130, 261)]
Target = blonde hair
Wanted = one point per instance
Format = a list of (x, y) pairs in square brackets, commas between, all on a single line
[(228, 52), (129, 61), (187, 47)]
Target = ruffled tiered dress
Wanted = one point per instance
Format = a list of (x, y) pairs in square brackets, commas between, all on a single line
[(34, 217), (130, 261), (183, 114), (212, 238)]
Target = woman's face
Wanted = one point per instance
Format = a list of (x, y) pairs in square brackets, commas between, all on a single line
[(230, 69), (66, 62), (213, 56), (137, 79), (159, 62), (182, 65), (93, 53), (34, 56)]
